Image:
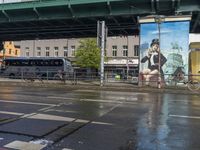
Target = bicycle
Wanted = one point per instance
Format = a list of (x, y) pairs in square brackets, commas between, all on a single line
[(31, 77), (191, 82), (64, 76)]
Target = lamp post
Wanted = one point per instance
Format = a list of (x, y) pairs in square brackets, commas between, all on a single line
[(127, 61), (159, 19)]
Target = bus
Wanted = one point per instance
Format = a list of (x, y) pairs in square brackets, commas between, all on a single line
[(194, 60), (45, 67)]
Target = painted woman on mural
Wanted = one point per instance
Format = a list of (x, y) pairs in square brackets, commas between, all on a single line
[(152, 58)]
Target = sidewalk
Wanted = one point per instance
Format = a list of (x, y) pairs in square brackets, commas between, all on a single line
[(94, 85)]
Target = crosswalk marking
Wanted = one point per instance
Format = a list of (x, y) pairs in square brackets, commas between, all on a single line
[(21, 145), (51, 117)]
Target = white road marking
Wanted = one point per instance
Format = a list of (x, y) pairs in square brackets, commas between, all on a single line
[(57, 97), (109, 101), (190, 117), (28, 115), (46, 108), (82, 121), (102, 123), (66, 149), (63, 111), (51, 117), (11, 113), (41, 141), (21, 145), (28, 103), (101, 100)]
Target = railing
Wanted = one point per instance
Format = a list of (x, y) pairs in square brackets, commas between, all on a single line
[(191, 81), (79, 77), (15, 1), (74, 77)]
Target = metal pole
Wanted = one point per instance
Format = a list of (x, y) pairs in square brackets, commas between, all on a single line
[(127, 67), (4, 51), (34, 48), (102, 51), (159, 65)]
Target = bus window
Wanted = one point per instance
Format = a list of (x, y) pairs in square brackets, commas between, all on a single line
[(60, 62), (56, 62), (46, 63), (24, 62), (32, 62)]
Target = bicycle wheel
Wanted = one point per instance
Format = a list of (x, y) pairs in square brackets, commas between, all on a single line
[(193, 85), (57, 77)]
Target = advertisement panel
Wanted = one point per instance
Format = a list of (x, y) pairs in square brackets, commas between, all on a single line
[(163, 51)]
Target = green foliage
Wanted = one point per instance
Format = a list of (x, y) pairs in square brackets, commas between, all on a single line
[(88, 54)]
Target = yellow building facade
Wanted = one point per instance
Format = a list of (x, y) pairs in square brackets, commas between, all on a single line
[(194, 60), (10, 50)]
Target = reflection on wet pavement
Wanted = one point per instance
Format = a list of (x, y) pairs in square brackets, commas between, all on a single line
[(102, 120)]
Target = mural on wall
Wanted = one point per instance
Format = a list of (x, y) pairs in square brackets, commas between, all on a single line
[(172, 47)]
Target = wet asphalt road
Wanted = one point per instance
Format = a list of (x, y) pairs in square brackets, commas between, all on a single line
[(86, 119)]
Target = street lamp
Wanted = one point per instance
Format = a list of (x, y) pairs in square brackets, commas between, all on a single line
[(127, 61), (159, 19)]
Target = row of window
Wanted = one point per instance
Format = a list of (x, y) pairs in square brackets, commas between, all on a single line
[(125, 50), (47, 53), (55, 48), (10, 52), (65, 54), (39, 62)]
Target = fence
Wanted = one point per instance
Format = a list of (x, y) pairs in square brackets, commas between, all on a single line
[(166, 80)]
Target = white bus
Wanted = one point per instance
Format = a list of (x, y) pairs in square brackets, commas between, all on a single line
[(45, 67)]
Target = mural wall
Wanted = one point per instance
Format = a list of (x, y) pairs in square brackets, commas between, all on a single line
[(173, 44)]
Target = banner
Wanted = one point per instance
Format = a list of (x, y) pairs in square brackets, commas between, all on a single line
[(164, 48)]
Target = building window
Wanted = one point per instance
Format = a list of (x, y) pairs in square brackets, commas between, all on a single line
[(10, 51), (47, 48), (56, 48), (38, 53), (47, 53), (65, 48), (56, 54), (114, 50), (15, 52), (27, 54), (38, 48), (65, 51), (26, 48), (136, 50), (73, 50), (17, 46), (125, 50)]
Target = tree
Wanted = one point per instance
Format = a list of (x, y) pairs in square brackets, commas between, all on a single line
[(88, 54)]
